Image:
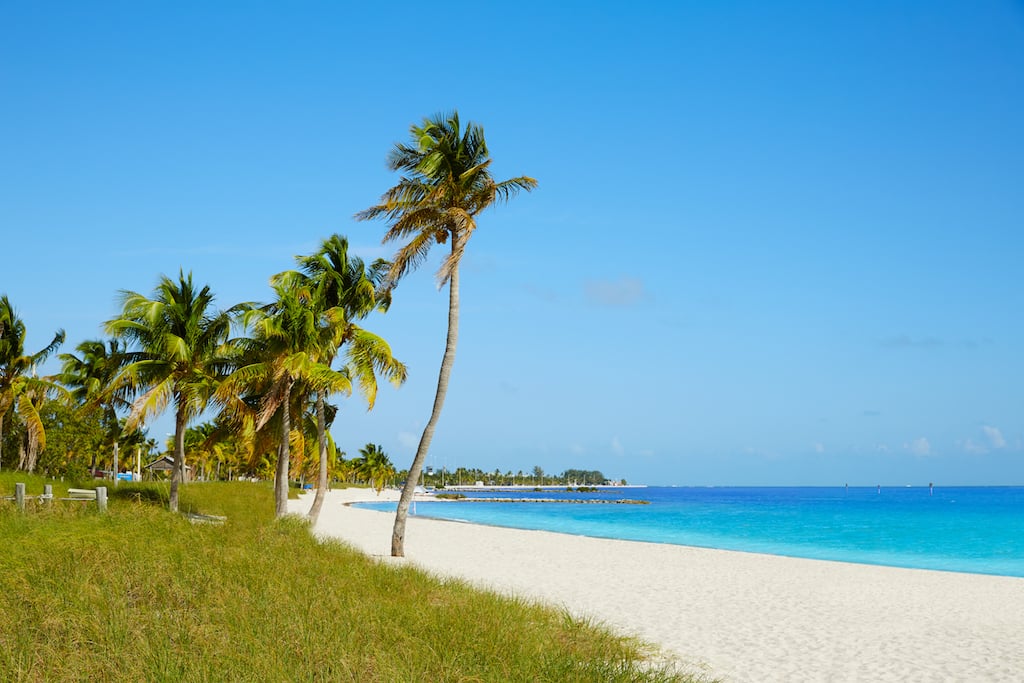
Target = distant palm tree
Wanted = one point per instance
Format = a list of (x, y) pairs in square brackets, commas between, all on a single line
[(343, 290), (19, 388), (374, 466), (91, 376), (447, 183), (177, 337)]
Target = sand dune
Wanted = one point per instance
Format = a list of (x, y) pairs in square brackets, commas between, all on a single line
[(739, 616)]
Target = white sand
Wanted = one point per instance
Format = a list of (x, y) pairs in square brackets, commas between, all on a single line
[(738, 616)]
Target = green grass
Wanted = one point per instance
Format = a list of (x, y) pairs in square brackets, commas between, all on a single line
[(140, 594)]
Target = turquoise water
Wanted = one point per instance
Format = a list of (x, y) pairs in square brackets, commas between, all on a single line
[(977, 529)]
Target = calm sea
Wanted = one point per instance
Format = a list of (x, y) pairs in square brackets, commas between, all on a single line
[(977, 529)]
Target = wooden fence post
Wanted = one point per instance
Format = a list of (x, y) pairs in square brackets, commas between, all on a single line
[(48, 493), (19, 496), (101, 498)]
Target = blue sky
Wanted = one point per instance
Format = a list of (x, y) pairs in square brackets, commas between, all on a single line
[(773, 243)]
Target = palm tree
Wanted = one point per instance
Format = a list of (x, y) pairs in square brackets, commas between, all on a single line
[(343, 290), (91, 378), (177, 358), (446, 183), (374, 467), (286, 353), (18, 383)]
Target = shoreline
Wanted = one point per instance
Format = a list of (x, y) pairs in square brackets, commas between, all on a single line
[(737, 615)]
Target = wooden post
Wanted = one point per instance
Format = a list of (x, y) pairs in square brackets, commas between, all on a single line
[(48, 493), (101, 498), (19, 496)]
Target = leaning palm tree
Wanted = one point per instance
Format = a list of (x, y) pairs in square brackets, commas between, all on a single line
[(343, 289), (90, 376), (18, 383), (176, 339), (446, 183)]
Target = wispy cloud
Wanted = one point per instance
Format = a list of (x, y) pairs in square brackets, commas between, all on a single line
[(994, 436), (973, 447), (617, 448), (993, 440), (919, 446), (542, 293), (904, 341), (624, 292)]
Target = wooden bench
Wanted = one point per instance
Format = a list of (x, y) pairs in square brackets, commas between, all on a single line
[(99, 494)]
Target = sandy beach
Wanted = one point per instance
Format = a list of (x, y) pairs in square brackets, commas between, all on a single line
[(741, 617)]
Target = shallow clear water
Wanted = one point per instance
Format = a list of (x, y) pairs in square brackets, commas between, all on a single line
[(978, 530)]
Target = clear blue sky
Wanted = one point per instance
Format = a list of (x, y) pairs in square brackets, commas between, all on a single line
[(773, 243)]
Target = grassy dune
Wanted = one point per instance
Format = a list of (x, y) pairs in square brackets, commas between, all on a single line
[(140, 594)]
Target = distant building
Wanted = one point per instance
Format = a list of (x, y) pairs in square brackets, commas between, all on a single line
[(163, 465)]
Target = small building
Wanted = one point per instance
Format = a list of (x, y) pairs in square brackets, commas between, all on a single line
[(163, 465)]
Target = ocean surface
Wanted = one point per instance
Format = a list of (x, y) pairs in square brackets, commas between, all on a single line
[(972, 529)]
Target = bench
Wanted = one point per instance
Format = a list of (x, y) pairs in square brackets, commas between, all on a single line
[(98, 494)]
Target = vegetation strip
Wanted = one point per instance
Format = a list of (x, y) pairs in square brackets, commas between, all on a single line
[(142, 594)]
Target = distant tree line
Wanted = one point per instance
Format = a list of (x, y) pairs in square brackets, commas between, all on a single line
[(468, 476)]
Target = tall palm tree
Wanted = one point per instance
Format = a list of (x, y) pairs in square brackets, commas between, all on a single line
[(286, 352), (91, 376), (177, 338), (446, 183), (343, 290), (17, 370)]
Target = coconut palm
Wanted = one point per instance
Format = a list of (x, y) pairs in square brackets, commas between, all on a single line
[(279, 365), (176, 358), (19, 388), (374, 467), (343, 289), (90, 376), (446, 183)]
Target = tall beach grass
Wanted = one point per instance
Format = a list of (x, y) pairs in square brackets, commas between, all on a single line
[(141, 594)]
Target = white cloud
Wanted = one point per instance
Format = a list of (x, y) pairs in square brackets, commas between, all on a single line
[(626, 291), (919, 446), (617, 448), (974, 448), (819, 447), (577, 449), (994, 436)]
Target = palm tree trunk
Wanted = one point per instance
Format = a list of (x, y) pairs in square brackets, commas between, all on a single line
[(1, 441), (178, 468), (321, 438), (116, 451), (284, 457), (398, 534)]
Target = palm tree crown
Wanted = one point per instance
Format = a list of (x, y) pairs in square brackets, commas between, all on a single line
[(447, 181)]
